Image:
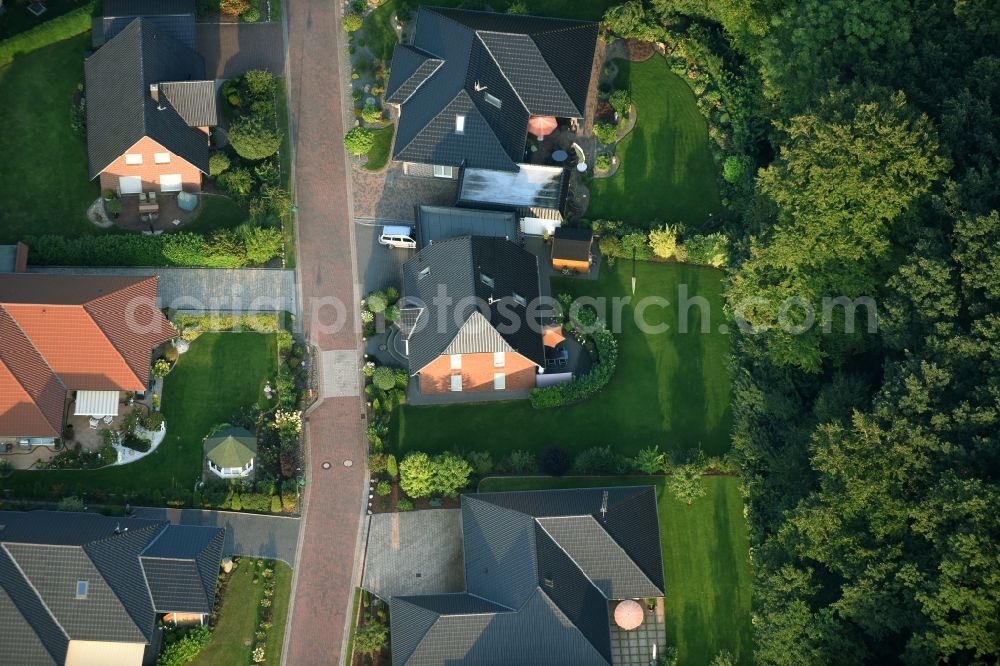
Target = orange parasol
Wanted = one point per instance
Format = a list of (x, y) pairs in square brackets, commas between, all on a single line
[(542, 125), (628, 615)]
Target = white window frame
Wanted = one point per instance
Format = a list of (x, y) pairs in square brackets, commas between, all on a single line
[(456, 361), (86, 588), (161, 158), (456, 383), (499, 359), (424, 272), (487, 280), (499, 381), (442, 171), (133, 159), (520, 300), (459, 124)]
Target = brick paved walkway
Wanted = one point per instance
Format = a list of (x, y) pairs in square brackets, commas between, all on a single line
[(335, 495), (391, 195)]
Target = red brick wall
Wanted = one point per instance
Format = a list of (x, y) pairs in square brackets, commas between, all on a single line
[(149, 170), (477, 373)]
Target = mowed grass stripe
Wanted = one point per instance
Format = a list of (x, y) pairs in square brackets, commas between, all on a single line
[(667, 172)]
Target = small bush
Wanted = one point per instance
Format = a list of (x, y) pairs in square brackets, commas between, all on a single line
[(218, 163), (392, 467), (377, 301), (371, 114), (518, 461), (113, 207), (404, 504), (239, 182), (234, 7), (71, 504), (603, 163), (620, 101), (383, 488), (553, 460), (606, 133), (359, 141), (253, 139), (737, 168), (600, 460), (251, 15), (384, 378), (352, 22), (184, 650), (481, 461), (711, 250), (663, 241)]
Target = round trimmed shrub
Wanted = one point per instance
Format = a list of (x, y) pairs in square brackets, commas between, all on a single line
[(384, 378), (252, 139), (218, 163), (359, 141), (377, 301), (352, 22), (251, 15)]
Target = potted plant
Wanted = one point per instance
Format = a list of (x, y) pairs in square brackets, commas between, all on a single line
[(113, 207)]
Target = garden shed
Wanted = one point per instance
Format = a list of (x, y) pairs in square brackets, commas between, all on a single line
[(231, 452), (571, 249)]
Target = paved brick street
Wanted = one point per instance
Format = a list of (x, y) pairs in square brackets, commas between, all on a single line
[(335, 496)]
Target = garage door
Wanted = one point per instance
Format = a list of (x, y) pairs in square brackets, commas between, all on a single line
[(170, 182), (130, 184)]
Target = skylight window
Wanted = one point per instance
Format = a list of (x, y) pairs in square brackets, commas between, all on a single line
[(460, 124), (492, 100), (81, 589), (519, 299), (424, 272), (487, 280)]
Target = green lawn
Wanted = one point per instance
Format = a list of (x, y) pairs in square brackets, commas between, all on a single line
[(218, 212), (705, 559), (220, 374), (667, 171), (44, 185), (670, 389), (239, 616), (18, 19), (381, 38), (378, 156)]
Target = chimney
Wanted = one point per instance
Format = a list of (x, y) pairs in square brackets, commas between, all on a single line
[(154, 91)]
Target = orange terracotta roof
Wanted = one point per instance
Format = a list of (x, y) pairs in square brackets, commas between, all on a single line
[(31, 396), (89, 332)]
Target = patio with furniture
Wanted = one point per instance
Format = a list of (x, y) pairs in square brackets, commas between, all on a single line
[(153, 212), (562, 146)]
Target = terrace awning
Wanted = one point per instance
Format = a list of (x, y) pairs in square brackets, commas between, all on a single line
[(96, 403)]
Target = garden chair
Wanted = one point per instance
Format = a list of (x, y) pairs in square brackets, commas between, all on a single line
[(94, 422), (152, 197), (142, 197), (108, 419)]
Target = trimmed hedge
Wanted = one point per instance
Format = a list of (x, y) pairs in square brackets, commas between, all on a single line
[(222, 249), (55, 30), (583, 387)]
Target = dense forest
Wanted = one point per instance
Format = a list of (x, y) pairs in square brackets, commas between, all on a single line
[(871, 459)]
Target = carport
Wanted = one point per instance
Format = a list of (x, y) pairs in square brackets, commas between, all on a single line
[(415, 552)]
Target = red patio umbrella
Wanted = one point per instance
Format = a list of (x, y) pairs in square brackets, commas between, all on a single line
[(542, 125)]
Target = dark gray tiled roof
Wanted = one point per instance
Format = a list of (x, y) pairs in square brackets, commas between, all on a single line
[(43, 555), (437, 223), (28, 633), (180, 27), (54, 571), (147, 7), (410, 69), (194, 101), (120, 108), (465, 63), (551, 560), (456, 269)]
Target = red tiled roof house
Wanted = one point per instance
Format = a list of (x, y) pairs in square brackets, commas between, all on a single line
[(89, 334)]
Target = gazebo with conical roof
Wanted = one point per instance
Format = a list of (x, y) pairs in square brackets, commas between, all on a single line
[(231, 452)]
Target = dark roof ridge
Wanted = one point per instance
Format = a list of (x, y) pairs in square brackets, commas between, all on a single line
[(506, 609), (437, 9)]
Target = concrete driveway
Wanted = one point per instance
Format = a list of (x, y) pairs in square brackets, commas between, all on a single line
[(418, 552), (252, 535), (379, 266), (230, 49)]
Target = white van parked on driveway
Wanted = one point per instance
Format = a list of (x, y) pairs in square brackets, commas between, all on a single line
[(397, 237)]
